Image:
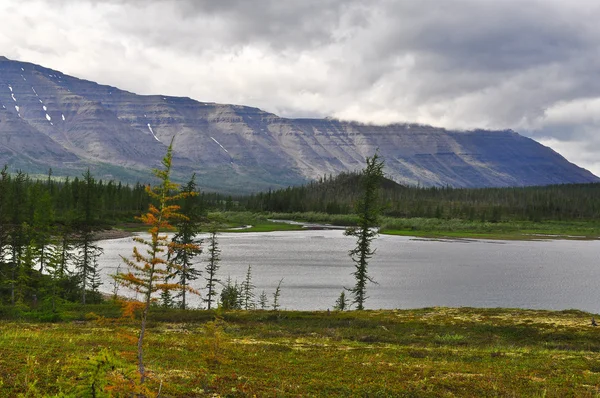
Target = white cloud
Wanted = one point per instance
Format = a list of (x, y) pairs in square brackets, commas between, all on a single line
[(575, 149)]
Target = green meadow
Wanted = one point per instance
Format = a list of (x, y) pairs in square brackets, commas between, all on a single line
[(431, 352)]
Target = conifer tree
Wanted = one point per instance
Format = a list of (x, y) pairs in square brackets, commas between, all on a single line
[(18, 236), (149, 271), (4, 228), (87, 251), (231, 295), (276, 296), (368, 210), (263, 301), (43, 222), (26, 282), (342, 302), (248, 290), (185, 243), (213, 266), (57, 270)]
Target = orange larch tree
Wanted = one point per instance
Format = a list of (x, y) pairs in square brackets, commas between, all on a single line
[(148, 272)]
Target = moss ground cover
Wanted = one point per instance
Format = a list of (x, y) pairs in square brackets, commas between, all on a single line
[(426, 352)]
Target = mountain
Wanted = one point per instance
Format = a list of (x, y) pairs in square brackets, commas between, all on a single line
[(49, 119)]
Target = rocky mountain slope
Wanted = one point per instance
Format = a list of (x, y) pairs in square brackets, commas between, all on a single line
[(49, 119)]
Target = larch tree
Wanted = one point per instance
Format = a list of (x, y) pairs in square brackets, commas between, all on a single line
[(368, 210), (149, 271)]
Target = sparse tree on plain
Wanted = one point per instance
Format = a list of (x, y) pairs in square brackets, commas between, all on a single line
[(185, 243), (368, 210), (149, 271), (213, 266)]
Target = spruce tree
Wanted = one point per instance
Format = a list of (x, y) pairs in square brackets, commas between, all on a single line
[(4, 228), (185, 243), (263, 301), (231, 295), (87, 251), (277, 295), (248, 290), (213, 266), (342, 302), (18, 229), (368, 210)]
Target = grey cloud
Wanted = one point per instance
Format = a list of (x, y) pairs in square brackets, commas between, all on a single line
[(451, 63)]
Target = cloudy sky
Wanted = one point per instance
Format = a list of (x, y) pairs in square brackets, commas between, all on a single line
[(532, 66)]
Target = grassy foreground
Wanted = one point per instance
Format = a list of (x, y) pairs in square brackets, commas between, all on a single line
[(428, 352)]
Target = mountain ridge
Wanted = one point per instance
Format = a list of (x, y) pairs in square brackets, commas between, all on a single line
[(50, 119)]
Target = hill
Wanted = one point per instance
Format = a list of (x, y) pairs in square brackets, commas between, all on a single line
[(50, 119)]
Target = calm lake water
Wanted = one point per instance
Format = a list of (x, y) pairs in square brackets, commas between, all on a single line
[(411, 272)]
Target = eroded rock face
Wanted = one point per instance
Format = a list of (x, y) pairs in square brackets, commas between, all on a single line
[(48, 119)]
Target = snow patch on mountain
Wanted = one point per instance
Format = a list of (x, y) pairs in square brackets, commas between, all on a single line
[(219, 144), (152, 132)]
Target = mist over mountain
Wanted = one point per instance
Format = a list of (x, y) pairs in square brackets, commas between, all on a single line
[(49, 119)]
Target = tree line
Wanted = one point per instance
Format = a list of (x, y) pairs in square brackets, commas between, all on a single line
[(338, 195)]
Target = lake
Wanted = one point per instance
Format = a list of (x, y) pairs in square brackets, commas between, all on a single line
[(411, 272)]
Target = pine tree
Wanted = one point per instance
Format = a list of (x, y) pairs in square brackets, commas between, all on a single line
[(368, 210), (149, 271)]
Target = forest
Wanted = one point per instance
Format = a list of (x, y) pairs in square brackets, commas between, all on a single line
[(336, 195), (48, 226)]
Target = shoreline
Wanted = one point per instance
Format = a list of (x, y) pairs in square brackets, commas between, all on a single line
[(108, 234)]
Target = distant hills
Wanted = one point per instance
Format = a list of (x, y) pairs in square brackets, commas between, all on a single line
[(49, 119)]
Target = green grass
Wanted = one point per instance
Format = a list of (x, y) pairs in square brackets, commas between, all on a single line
[(419, 227), (521, 230), (456, 228), (419, 353)]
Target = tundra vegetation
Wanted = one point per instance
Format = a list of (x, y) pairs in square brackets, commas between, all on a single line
[(430, 352), (88, 345)]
